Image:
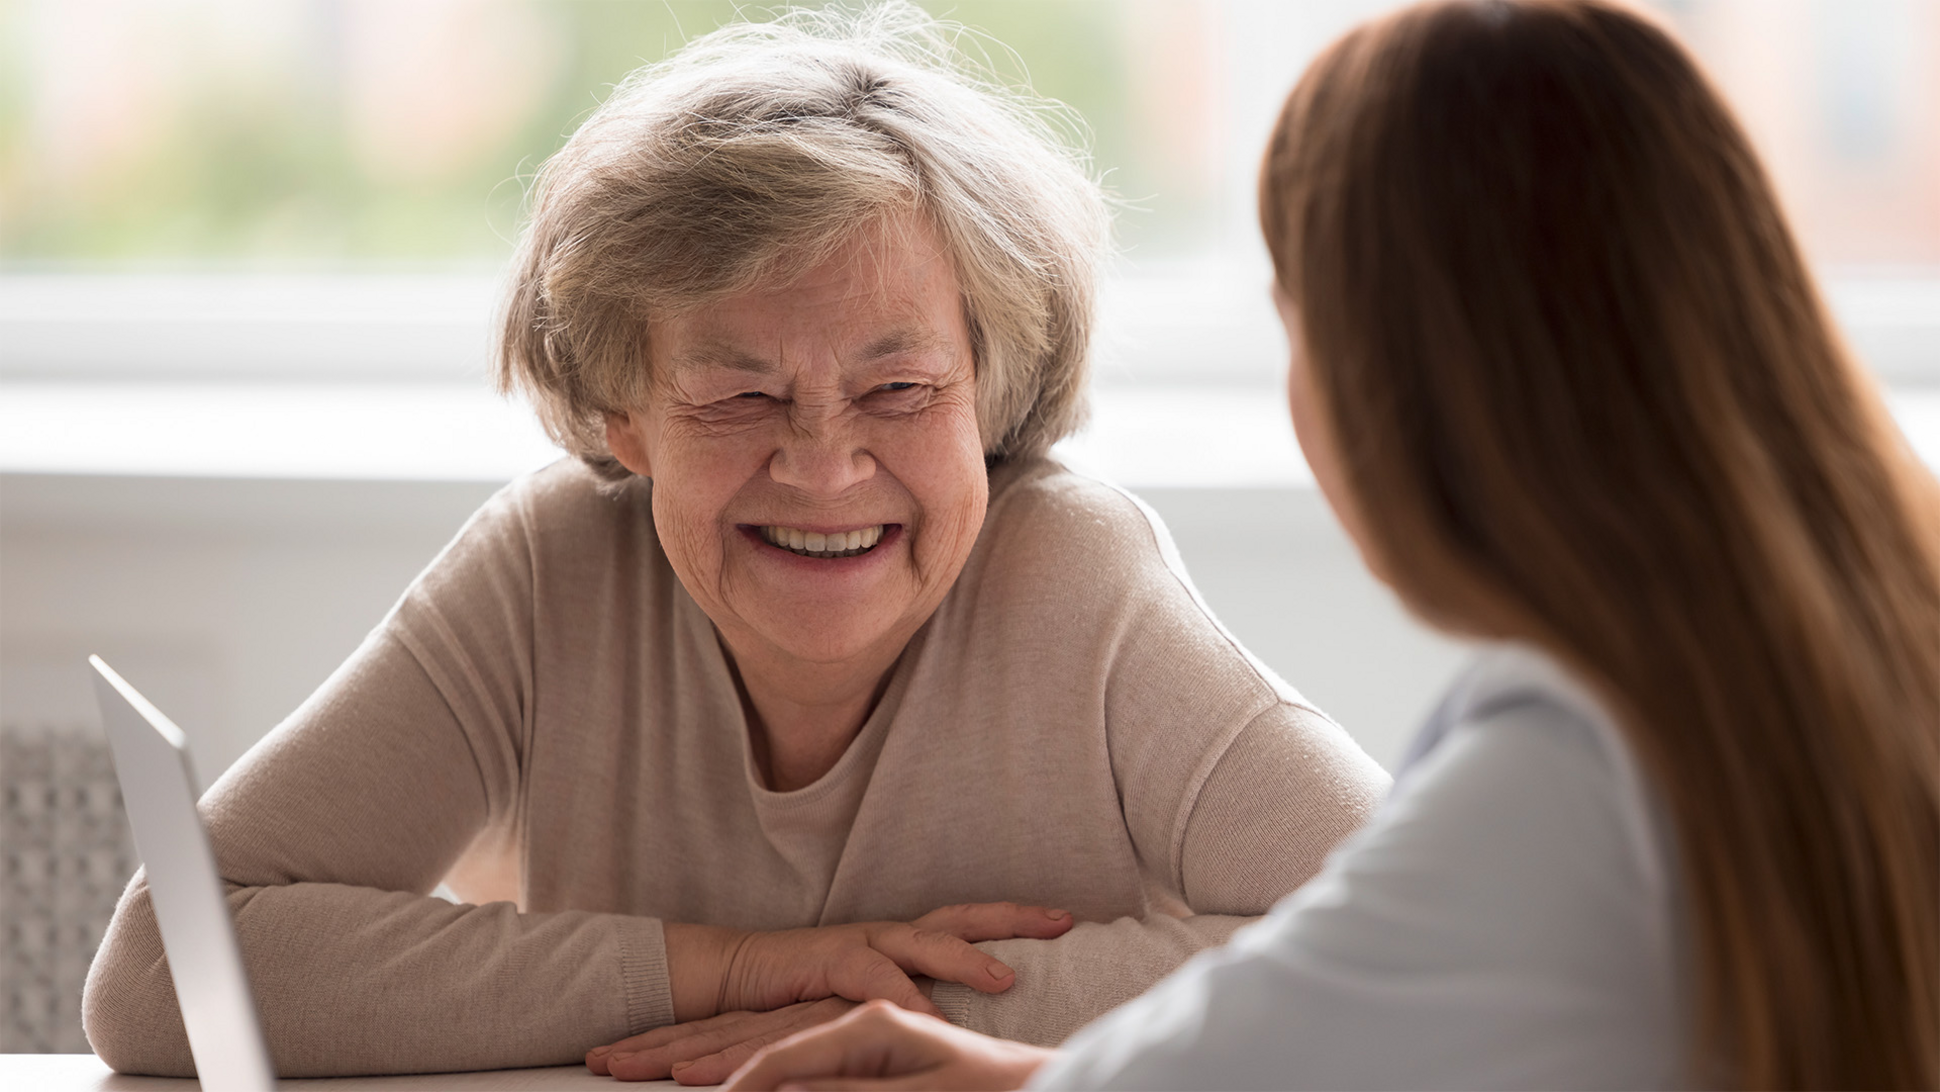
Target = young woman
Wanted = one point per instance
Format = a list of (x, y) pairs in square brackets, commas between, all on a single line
[(1560, 369)]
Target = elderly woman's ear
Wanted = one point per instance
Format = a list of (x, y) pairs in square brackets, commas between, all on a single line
[(624, 441)]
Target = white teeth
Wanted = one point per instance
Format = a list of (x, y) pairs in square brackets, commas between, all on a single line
[(823, 544)]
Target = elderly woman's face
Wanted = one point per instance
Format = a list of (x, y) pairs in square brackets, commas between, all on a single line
[(818, 475)]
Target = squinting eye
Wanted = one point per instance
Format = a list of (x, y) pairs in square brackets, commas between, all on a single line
[(751, 394), (896, 386)]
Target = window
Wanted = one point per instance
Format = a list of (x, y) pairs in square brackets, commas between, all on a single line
[(322, 191)]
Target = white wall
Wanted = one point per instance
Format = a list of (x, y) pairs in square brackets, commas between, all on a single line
[(226, 601), (229, 600)]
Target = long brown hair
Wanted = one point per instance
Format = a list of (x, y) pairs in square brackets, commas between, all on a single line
[(1586, 394)]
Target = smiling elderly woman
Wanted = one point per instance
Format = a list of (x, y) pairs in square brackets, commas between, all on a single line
[(811, 679)]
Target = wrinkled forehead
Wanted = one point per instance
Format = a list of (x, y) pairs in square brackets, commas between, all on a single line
[(732, 354)]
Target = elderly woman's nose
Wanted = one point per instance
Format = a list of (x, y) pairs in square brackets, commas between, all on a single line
[(824, 459)]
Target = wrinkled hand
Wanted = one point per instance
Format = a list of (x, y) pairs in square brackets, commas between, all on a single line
[(880, 1046), (707, 1051), (735, 991)]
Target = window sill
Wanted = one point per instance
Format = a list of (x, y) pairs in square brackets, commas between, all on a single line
[(1142, 435)]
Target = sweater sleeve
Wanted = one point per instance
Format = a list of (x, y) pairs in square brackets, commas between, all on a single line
[(1283, 793), (331, 834)]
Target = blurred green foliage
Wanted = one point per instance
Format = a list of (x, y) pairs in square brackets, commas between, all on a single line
[(258, 166)]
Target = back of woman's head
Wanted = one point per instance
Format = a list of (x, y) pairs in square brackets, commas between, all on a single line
[(1586, 394)]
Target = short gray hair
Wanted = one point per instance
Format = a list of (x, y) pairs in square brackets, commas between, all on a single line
[(750, 156)]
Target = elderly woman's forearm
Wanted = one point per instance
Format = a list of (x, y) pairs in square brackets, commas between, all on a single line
[(1064, 984), (356, 981)]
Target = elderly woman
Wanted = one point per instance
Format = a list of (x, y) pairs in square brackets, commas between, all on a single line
[(810, 671)]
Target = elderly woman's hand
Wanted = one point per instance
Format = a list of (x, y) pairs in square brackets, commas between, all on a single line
[(735, 991), (882, 1047)]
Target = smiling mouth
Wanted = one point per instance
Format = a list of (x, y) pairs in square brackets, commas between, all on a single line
[(817, 544)]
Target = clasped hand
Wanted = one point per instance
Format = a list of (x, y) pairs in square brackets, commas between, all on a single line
[(736, 991)]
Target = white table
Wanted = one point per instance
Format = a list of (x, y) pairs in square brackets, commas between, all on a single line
[(87, 1073)]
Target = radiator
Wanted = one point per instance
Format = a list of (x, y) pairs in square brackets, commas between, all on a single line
[(68, 855)]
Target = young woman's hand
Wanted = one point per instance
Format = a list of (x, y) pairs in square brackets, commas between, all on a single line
[(879, 1046), (737, 991)]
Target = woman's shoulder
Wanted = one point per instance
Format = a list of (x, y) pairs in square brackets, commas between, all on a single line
[(1044, 488), (1078, 547), (561, 522), (568, 495), (1519, 724), (1084, 558), (563, 508), (1043, 511), (1511, 689)]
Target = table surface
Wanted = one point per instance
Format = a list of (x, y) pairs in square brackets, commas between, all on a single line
[(87, 1073)]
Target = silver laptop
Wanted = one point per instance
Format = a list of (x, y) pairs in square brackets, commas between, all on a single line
[(158, 787)]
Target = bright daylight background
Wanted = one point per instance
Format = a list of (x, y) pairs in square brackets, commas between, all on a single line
[(249, 251)]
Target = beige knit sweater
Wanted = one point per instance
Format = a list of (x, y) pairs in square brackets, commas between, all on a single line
[(548, 717)]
